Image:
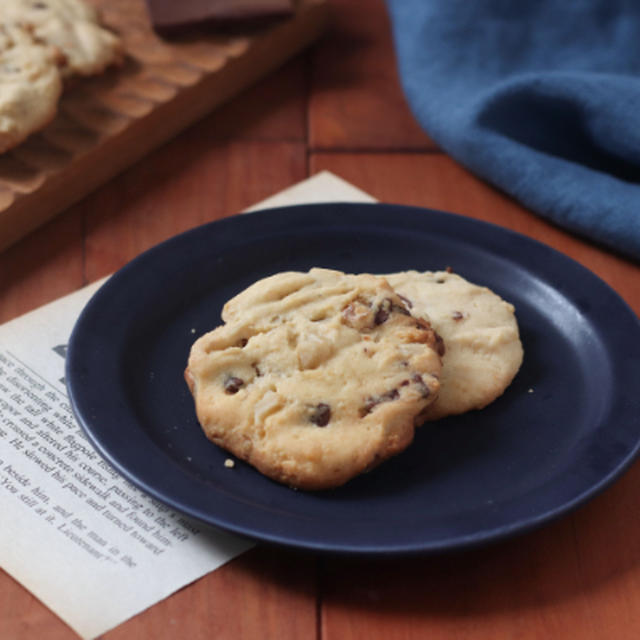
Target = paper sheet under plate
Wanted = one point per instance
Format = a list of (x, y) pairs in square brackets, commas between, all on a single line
[(72, 531)]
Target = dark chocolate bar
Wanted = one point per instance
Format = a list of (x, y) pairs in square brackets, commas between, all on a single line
[(173, 15)]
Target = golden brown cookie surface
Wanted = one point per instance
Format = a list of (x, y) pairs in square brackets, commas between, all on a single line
[(314, 377), (70, 28), (480, 332), (30, 86), (42, 43)]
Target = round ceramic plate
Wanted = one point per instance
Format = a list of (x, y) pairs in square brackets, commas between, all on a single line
[(567, 426)]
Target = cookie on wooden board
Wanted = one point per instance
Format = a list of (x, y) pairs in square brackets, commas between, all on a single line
[(44, 43), (69, 27), (30, 86)]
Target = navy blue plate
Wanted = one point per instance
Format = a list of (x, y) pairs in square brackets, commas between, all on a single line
[(567, 426)]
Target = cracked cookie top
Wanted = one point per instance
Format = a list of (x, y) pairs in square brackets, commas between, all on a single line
[(315, 377)]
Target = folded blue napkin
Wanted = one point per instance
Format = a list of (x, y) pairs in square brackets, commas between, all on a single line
[(539, 97)]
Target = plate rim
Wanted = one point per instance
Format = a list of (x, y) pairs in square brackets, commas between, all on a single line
[(463, 542)]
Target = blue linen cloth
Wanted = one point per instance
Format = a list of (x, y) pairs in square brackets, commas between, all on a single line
[(539, 97)]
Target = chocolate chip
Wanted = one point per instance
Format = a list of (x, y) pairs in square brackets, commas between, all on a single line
[(232, 384), (390, 395), (400, 309), (368, 406), (383, 311), (386, 308), (449, 270), (440, 349), (373, 401), (457, 315), (422, 324), (424, 390), (382, 315), (321, 414)]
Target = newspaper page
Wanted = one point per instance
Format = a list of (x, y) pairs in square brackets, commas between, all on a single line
[(72, 530)]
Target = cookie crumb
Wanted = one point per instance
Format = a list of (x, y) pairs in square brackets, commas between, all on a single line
[(193, 330), (229, 463), (530, 390)]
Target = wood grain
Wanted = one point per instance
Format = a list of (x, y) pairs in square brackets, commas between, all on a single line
[(356, 101), (145, 206), (273, 109), (23, 617), (576, 578), (266, 594), (43, 267), (108, 122)]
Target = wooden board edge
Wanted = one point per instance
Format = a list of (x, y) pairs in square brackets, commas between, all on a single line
[(88, 170)]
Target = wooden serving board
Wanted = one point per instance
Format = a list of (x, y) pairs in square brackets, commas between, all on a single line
[(107, 123)]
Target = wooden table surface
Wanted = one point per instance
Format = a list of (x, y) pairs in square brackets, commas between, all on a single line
[(339, 107)]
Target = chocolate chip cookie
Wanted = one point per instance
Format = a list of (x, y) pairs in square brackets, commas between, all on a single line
[(70, 28), (44, 43), (315, 377), (483, 347), (30, 85)]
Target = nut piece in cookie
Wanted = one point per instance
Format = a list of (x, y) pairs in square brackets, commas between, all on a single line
[(315, 377), (480, 330)]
